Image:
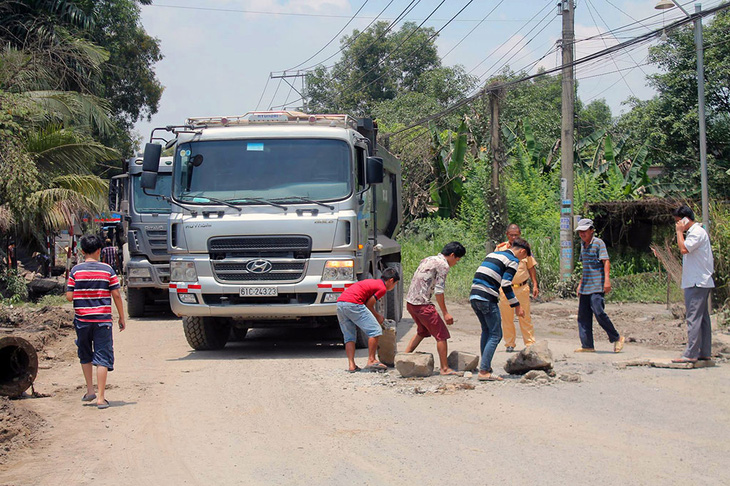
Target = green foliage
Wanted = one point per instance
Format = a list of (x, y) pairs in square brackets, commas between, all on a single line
[(447, 188), (13, 287), (720, 239), (668, 123), (381, 65), (427, 236)]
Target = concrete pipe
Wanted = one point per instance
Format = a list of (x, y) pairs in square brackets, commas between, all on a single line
[(18, 366)]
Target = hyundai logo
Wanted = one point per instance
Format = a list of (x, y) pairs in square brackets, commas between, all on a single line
[(259, 266)]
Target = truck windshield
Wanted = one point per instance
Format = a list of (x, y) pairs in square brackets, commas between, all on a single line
[(151, 204), (240, 171)]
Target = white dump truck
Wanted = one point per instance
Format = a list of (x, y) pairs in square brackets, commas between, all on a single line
[(145, 261), (274, 214)]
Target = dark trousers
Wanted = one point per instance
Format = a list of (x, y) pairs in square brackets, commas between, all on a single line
[(699, 331), (588, 306)]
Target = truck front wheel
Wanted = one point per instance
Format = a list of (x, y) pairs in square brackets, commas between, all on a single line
[(206, 333), (135, 302)]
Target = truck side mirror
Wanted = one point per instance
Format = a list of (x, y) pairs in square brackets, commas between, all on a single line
[(150, 165), (374, 173)]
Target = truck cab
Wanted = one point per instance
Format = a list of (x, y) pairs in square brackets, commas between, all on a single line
[(274, 214), (145, 259)]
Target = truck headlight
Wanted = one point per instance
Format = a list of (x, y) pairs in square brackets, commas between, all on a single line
[(339, 270), (139, 272), (183, 272)]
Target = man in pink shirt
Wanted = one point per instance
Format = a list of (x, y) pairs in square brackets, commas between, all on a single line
[(356, 309)]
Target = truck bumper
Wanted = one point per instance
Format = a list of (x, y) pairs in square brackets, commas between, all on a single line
[(303, 299), (143, 274)]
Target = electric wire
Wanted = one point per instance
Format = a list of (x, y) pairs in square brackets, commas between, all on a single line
[(333, 38), (268, 78), (606, 24), (472, 30), (423, 43), (597, 55), (508, 39), (275, 92), (491, 68), (588, 7), (389, 54), (352, 39)]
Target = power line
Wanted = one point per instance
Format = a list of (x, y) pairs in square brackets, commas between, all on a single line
[(333, 38), (296, 14), (505, 42), (354, 38), (521, 48), (473, 29), (424, 42), (263, 92), (591, 57), (388, 55), (588, 7)]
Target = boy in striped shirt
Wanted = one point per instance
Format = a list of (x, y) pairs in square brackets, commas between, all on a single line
[(496, 271), (91, 287)]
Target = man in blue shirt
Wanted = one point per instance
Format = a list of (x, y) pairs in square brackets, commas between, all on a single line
[(595, 283), (495, 272)]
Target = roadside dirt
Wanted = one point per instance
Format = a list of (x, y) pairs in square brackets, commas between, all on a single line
[(279, 408)]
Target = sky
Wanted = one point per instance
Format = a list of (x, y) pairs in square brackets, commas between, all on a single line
[(218, 54)]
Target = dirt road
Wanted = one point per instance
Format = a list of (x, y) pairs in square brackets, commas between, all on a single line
[(278, 408)]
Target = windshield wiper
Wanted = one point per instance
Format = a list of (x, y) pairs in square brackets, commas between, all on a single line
[(218, 201), (306, 200), (261, 200)]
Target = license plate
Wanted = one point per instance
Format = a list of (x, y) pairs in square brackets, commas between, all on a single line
[(259, 291)]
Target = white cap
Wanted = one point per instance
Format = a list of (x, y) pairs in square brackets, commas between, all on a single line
[(584, 224)]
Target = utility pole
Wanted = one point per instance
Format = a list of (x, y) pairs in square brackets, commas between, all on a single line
[(567, 143), (495, 197)]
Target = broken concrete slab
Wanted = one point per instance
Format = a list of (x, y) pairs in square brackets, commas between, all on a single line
[(388, 343), (664, 363), (417, 364), (535, 357), (462, 361)]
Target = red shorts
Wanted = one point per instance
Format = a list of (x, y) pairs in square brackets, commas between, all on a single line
[(428, 321)]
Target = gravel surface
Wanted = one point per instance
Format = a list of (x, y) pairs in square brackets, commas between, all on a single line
[(278, 408)]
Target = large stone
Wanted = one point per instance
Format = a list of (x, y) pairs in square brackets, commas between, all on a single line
[(461, 361), (388, 343), (411, 365), (535, 357)]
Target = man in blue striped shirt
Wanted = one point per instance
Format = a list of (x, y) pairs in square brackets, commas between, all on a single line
[(495, 272), (595, 283)]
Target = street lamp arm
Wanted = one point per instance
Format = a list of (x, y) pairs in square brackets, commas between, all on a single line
[(680, 7)]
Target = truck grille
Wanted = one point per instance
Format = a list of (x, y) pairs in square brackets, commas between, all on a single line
[(158, 242), (281, 271), (261, 246)]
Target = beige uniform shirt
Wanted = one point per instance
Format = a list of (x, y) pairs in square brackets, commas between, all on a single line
[(522, 274)]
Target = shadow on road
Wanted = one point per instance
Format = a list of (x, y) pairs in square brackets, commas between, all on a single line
[(287, 343)]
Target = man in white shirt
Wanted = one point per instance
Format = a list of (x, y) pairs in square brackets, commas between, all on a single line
[(697, 269)]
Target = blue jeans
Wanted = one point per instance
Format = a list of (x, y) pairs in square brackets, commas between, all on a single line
[(588, 306), (489, 318), (351, 316)]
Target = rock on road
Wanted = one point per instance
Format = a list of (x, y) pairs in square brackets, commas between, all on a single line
[(278, 408)]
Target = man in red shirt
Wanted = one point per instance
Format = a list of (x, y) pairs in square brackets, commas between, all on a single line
[(356, 309)]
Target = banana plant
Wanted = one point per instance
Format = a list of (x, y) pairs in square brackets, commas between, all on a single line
[(447, 188)]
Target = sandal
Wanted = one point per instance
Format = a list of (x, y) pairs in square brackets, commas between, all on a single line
[(489, 377), (376, 367), (684, 360), (357, 368)]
